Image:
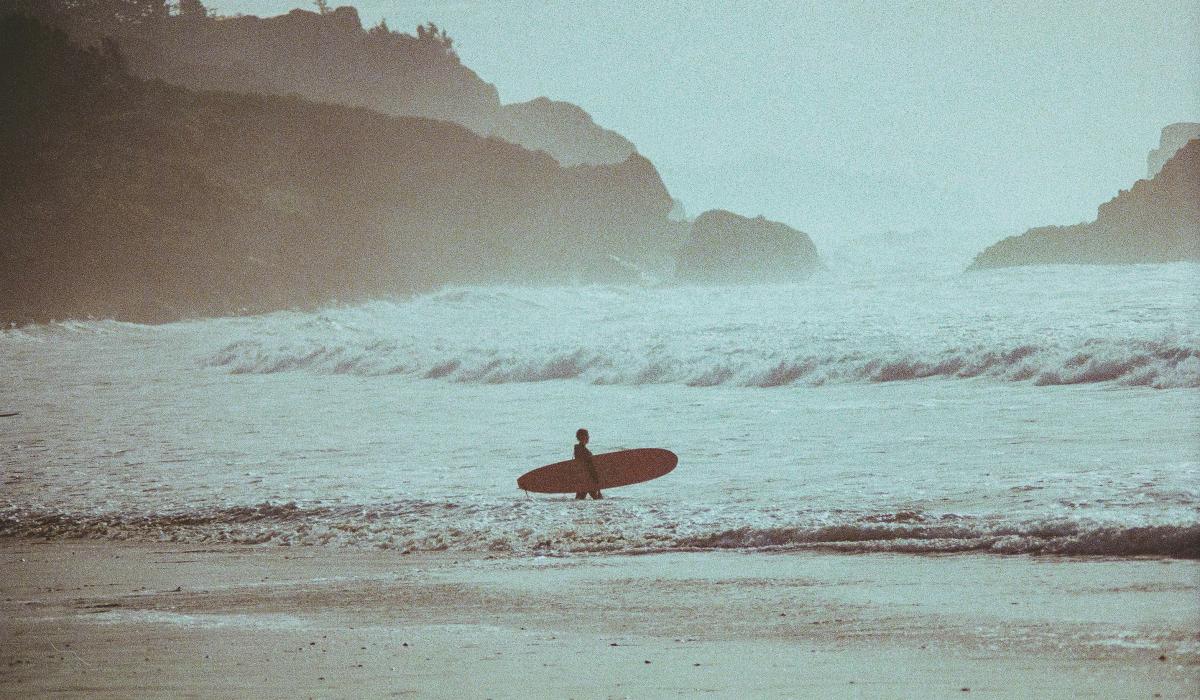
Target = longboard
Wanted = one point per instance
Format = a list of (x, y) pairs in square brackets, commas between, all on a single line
[(613, 468)]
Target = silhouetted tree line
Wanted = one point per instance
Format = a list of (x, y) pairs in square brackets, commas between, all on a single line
[(138, 200), (157, 20)]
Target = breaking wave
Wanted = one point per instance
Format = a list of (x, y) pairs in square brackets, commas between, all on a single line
[(548, 527), (1119, 327), (1160, 364)]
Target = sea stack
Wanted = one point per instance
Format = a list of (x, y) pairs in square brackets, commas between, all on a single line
[(725, 248)]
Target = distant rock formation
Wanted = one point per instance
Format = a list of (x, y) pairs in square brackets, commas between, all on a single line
[(188, 204), (1173, 138), (678, 212), (563, 130), (328, 57), (725, 248), (1157, 220)]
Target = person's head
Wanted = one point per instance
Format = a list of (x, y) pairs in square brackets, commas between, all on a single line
[(582, 436)]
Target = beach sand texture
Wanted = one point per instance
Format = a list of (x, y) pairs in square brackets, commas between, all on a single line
[(105, 619)]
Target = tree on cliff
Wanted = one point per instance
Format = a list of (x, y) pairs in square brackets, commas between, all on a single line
[(435, 36), (192, 9), (380, 30)]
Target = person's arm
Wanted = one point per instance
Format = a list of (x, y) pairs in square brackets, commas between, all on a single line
[(585, 456)]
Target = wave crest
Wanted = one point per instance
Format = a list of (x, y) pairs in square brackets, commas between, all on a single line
[(1160, 364)]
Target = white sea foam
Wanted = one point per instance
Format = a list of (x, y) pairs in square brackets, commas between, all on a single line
[(556, 528), (1048, 411), (829, 330)]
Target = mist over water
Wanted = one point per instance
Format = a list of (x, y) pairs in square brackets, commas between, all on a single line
[(876, 406), (1130, 327), (837, 117)]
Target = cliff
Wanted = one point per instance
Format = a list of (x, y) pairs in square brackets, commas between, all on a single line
[(1173, 138), (725, 248), (327, 57), (562, 130), (141, 201), (1155, 221)]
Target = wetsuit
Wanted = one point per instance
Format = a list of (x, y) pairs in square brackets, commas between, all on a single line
[(583, 456)]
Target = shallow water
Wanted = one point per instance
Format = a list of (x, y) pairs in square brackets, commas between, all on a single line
[(1049, 410)]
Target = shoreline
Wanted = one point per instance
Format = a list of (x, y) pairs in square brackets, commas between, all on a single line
[(111, 619)]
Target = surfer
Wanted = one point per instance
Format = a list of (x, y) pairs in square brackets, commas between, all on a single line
[(583, 456)]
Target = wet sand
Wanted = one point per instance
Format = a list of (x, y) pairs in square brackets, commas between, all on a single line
[(104, 619)]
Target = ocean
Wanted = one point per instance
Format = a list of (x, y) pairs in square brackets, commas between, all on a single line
[(1042, 410)]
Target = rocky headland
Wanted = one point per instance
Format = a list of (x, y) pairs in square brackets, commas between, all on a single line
[(1155, 221), (141, 201), (327, 57)]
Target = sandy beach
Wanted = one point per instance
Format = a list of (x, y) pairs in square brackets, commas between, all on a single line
[(103, 619), (870, 329)]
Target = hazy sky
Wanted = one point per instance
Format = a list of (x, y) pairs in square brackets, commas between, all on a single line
[(844, 118)]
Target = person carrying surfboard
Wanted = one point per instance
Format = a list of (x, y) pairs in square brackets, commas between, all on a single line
[(583, 457), (620, 468)]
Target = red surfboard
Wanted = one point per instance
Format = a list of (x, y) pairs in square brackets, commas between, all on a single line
[(614, 469)]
